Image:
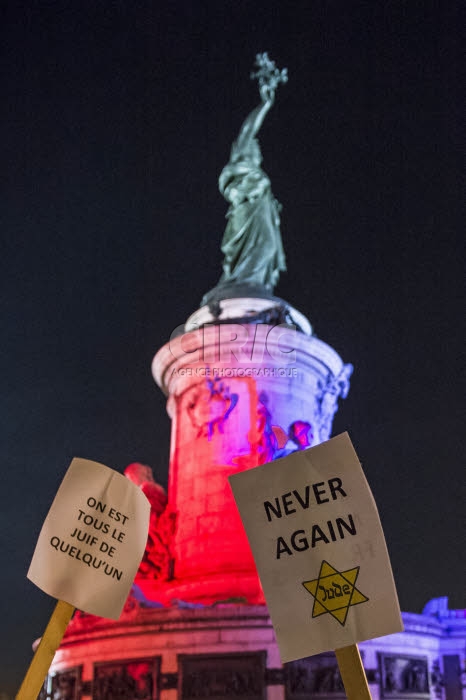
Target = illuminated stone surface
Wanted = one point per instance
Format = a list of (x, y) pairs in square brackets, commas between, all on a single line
[(239, 395)]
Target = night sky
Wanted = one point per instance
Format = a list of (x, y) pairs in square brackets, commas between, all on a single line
[(117, 120)]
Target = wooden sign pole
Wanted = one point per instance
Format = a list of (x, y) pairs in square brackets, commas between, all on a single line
[(40, 664), (352, 673)]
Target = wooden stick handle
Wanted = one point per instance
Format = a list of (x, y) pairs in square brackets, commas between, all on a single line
[(352, 673), (40, 664)]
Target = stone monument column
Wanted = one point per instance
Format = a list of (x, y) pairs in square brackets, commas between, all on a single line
[(239, 394)]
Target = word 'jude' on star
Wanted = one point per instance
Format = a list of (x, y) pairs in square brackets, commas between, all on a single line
[(334, 592)]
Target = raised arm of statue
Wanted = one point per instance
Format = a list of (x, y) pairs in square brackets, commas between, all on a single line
[(269, 78), (252, 124)]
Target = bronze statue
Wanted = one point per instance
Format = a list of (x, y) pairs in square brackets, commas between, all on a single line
[(252, 243)]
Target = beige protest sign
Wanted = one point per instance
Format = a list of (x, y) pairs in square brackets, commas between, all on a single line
[(92, 540), (318, 544)]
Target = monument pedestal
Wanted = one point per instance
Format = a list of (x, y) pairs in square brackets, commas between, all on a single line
[(228, 651)]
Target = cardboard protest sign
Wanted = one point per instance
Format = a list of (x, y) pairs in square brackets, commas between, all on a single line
[(318, 544), (92, 540)]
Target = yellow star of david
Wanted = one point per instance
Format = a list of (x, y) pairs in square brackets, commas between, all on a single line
[(334, 592)]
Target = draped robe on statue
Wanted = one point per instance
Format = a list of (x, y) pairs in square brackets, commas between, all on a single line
[(252, 243)]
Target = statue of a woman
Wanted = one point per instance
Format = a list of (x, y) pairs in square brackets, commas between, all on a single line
[(252, 243)]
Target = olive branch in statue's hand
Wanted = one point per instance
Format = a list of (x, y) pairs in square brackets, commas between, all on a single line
[(268, 76)]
